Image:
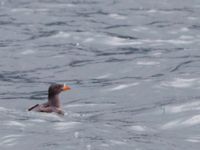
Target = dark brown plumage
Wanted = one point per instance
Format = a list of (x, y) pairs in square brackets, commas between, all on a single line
[(53, 104)]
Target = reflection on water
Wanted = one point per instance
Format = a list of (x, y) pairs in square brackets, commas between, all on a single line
[(132, 65)]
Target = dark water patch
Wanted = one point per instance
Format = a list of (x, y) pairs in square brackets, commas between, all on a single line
[(124, 51), (58, 23), (89, 112), (160, 24), (94, 138), (95, 82), (137, 78), (174, 10), (139, 9), (195, 27), (88, 2), (16, 77), (133, 111), (4, 15), (97, 22), (40, 95), (5, 23), (78, 82), (157, 75), (75, 101), (100, 82), (14, 95), (181, 65), (64, 47), (91, 13), (78, 63), (122, 122), (41, 69), (3, 44), (105, 82), (52, 45), (121, 36), (50, 145), (110, 60), (9, 43), (117, 26), (109, 66), (42, 34), (19, 4), (181, 57), (12, 24), (145, 138), (170, 10)]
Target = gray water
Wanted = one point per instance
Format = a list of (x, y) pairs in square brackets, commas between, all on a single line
[(133, 66)]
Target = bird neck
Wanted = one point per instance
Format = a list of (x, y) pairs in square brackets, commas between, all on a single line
[(54, 100)]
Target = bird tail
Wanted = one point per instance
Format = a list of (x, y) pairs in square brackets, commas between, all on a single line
[(31, 108)]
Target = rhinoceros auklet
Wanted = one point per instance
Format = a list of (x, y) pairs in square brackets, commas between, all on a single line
[(53, 104)]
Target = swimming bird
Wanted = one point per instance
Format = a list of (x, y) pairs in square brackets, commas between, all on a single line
[(53, 104)]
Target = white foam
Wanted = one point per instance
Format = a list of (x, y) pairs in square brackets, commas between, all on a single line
[(103, 76), (57, 5), (70, 5), (58, 56), (116, 142), (115, 41), (180, 83), (88, 146), (152, 11), (138, 128), (28, 10), (21, 10), (183, 107), (46, 116), (171, 124), (12, 136), (186, 37), (76, 134), (62, 34), (37, 120), (28, 52), (147, 63), (194, 120), (140, 28), (157, 54), (192, 18), (8, 142), (15, 123), (3, 109), (81, 105), (88, 40), (184, 29), (86, 105), (105, 145), (193, 139), (117, 16), (174, 41), (123, 86), (2, 3), (65, 125)]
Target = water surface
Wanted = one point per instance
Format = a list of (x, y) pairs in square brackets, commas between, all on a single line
[(133, 67)]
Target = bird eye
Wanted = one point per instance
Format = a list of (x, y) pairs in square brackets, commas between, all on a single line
[(59, 86)]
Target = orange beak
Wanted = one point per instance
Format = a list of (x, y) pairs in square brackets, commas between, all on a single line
[(66, 88)]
